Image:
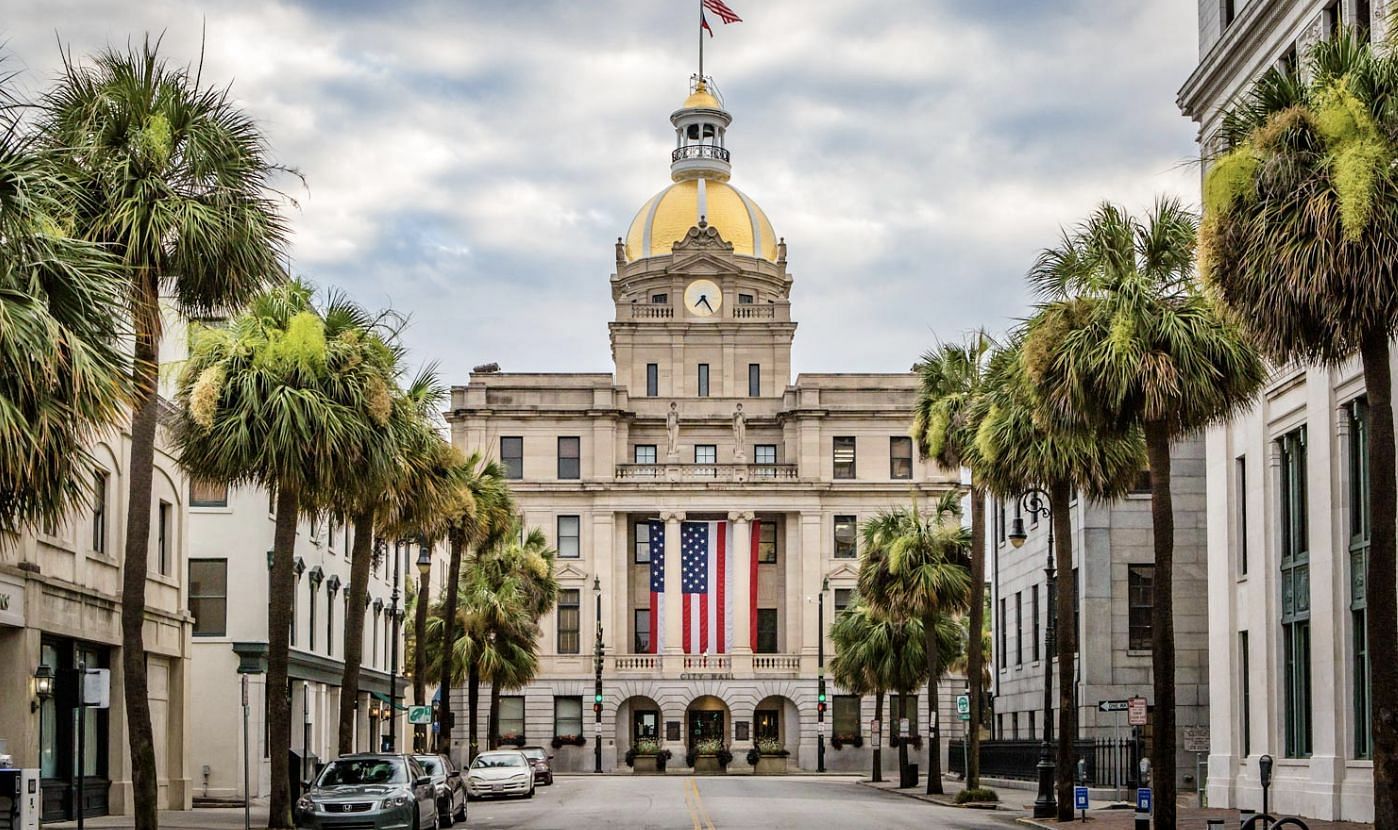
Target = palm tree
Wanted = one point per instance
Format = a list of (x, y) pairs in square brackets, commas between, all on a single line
[(1019, 447), (951, 378), (483, 512), (174, 181), (852, 667), (297, 401), (1299, 216), (63, 373), (888, 652), (1126, 339), (508, 654), (915, 564)]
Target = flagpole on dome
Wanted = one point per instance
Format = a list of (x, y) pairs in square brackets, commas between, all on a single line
[(702, 21)]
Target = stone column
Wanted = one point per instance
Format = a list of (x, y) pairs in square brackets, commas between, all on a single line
[(674, 618), (742, 583)]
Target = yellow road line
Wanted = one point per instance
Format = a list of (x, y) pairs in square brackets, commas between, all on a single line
[(699, 805), (689, 803)]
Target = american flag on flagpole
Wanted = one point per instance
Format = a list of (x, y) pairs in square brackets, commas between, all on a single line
[(706, 558), (657, 587), (721, 9)]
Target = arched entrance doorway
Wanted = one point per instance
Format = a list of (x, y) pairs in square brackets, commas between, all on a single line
[(776, 718), (706, 718), (637, 717)]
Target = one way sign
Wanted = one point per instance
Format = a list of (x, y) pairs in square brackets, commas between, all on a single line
[(1113, 705)]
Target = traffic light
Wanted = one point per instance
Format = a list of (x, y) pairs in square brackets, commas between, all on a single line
[(820, 708), (597, 708), (597, 698)]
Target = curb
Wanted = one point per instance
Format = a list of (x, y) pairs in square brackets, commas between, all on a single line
[(940, 800)]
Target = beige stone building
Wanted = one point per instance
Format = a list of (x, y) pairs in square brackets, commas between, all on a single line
[(699, 487), (60, 607)]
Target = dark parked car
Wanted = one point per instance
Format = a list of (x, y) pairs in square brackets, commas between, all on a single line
[(543, 773), (451, 790), (369, 790)]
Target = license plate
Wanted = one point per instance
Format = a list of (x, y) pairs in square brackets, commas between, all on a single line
[(495, 788)]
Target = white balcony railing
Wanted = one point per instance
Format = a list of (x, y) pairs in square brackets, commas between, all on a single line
[(691, 665), (706, 472)]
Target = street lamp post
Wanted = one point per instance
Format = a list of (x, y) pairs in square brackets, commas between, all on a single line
[(424, 569), (820, 668), (1035, 502), (397, 627), (598, 653)]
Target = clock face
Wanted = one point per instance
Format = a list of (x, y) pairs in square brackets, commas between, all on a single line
[(703, 298)]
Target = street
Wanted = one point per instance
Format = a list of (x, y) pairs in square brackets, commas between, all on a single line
[(709, 802)]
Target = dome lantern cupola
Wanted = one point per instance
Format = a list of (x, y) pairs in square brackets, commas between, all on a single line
[(700, 124)]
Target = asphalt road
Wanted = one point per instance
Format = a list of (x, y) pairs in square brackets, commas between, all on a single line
[(617, 802)]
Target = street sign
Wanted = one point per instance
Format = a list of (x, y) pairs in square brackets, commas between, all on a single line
[(598, 730), (420, 715), (963, 707), (1080, 798), (1136, 711), (902, 727), (820, 728), (1113, 705), (1143, 800), (97, 689), (876, 731), (1196, 739)]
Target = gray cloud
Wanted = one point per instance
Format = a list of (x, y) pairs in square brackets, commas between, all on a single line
[(472, 163)]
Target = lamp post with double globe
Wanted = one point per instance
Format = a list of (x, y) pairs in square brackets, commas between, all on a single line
[(1035, 502)]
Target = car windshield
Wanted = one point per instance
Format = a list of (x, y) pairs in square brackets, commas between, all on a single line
[(488, 761), (533, 752), (349, 772), (430, 764)]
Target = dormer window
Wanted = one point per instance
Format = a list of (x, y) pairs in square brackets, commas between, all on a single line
[(659, 299), (745, 299)]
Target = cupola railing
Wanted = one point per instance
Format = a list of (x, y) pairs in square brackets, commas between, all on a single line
[(700, 151)]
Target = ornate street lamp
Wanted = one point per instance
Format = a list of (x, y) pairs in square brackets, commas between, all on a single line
[(43, 688), (1035, 502), (424, 569), (598, 653), (820, 689)]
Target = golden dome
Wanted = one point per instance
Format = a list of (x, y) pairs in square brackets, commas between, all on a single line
[(701, 98), (668, 216)]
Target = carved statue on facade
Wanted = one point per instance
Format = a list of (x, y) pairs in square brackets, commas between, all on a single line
[(672, 428), (740, 434)]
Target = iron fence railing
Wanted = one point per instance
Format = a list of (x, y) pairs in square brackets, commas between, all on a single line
[(1110, 763)]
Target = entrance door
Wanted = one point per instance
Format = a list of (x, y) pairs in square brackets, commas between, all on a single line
[(706, 725), (58, 735), (765, 725), (645, 725)]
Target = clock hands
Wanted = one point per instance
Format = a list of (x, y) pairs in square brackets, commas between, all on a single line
[(704, 299)]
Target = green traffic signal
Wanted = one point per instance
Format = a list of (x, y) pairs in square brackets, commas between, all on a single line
[(597, 698), (821, 697)]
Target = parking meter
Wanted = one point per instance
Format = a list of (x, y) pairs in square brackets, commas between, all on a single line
[(1082, 770), (1145, 772), (1264, 769)]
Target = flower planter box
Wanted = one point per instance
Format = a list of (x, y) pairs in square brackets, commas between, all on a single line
[(646, 765), (708, 765), (771, 765)]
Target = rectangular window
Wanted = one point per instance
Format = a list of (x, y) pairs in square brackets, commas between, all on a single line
[(569, 537), (644, 454), (845, 723), (846, 532), (1000, 521), (511, 719), (1241, 468), (642, 618), (900, 457), (569, 620), (754, 380), (512, 456), (569, 457), (1295, 595), (1140, 599), (1359, 523), (162, 538), (567, 716), (842, 599), (641, 553), (100, 480), (766, 543), (1228, 12), (1000, 630), (1019, 628), (1245, 708), (764, 453), (703, 380), (745, 299), (766, 631), (1014, 726), (213, 494), (844, 456), (659, 299), (330, 622), (652, 380), (705, 454), (208, 596), (295, 590), (1363, 20), (311, 625), (1034, 615)]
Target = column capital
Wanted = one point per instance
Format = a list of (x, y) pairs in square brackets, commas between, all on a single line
[(672, 516), (740, 516)]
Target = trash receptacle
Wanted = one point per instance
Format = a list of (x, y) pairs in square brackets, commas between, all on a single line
[(908, 777)]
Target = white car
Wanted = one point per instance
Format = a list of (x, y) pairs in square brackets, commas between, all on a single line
[(500, 772)]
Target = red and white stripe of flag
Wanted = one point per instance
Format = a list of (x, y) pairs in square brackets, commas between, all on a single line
[(721, 9)]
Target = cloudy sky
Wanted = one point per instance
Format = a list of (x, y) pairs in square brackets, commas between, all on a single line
[(471, 162)]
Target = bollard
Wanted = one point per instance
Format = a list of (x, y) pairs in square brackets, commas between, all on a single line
[(1142, 820)]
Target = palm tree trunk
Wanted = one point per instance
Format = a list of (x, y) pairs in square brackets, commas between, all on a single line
[(424, 598), (135, 564), (902, 739), (492, 725), (444, 716), (878, 745), (278, 654), (1381, 603), (975, 660), (473, 705), (1061, 516), (1162, 625), (361, 560), (934, 732)]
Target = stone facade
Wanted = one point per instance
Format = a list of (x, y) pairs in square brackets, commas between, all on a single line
[(702, 332)]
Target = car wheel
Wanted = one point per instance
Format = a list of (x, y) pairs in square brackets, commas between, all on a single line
[(529, 794), (444, 818), (550, 779), (461, 814), (417, 817)]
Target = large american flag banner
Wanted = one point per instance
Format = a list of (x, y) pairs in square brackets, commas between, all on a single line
[(706, 559), (657, 587)]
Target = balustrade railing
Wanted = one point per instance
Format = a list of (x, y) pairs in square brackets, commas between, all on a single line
[(754, 312), (776, 662), (706, 472), (644, 311), (700, 151)]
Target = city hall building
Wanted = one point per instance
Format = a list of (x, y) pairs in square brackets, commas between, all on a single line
[(708, 496)]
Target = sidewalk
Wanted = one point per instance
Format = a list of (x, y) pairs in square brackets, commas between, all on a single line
[(1192, 818), (207, 818), (1010, 798)]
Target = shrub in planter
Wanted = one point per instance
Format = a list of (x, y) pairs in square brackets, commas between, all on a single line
[(560, 741), (511, 740), (753, 757), (979, 794), (842, 741), (646, 746), (771, 746)]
